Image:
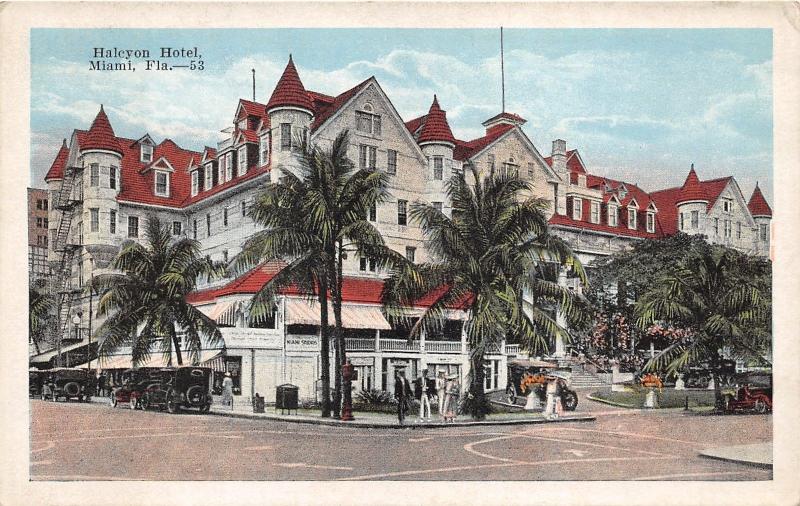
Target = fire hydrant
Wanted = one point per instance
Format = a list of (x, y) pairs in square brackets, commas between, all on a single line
[(348, 375)]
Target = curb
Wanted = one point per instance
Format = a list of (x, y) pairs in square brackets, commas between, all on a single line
[(762, 465), (611, 403), (383, 425)]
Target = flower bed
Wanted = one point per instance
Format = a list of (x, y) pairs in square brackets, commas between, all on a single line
[(667, 398)]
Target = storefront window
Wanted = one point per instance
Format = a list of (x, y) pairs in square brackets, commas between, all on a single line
[(233, 365)]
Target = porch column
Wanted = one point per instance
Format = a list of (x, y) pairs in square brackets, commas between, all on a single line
[(561, 320)]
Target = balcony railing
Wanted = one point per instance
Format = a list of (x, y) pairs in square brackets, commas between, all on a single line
[(359, 344), (398, 345), (443, 346), (512, 349)]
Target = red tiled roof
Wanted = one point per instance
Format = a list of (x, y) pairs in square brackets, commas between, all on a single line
[(667, 200), (289, 92), (253, 108), (209, 153), (326, 106), (138, 186), (466, 149), (101, 135), (249, 135), (57, 168), (691, 189), (758, 204), (436, 128), (415, 124), (251, 174), (634, 192), (622, 229), (574, 167), (713, 187), (574, 162), (354, 289)]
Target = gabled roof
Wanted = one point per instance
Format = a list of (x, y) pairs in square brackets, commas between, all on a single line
[(251, 108), (466, 149), (667, 200), (621, 229), (435, 127), (326, 106), (758, 205), (290, 92), (57, 168), (209, 153), (101, 135), (516, 118)]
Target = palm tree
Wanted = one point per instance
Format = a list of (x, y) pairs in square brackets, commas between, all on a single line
[(145, 301), (312, 217), (719, 294), (40, 307), (491, 258)]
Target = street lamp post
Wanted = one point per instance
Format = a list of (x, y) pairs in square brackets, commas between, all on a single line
[(76, 321)]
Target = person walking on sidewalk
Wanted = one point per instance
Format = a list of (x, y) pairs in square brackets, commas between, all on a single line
[(451, 398), (423, 390), (402, 392), (441, 384), (227, 390)]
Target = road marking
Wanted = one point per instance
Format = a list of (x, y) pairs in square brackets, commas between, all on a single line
[(469, 448), (312, 466), (257, 448), (418, 439), (619, 433), (79, 477), (596, 445), (50, 444), (119, 429), (42, 463), (577, 453), (690, 475), (503, 464)]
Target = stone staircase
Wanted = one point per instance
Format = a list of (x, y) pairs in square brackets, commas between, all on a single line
[(582, 378)]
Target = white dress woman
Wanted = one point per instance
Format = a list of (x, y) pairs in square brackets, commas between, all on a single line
[(451, 398)]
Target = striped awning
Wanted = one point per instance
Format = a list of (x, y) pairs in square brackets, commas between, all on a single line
[(354, 316), (156, 360), (223, 312)]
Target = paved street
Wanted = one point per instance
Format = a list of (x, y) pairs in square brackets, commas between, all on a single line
[(73, 441)]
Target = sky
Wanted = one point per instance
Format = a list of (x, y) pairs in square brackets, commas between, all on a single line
[(640, 105)]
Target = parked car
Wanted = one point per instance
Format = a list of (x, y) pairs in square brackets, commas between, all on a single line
[(69, 383), (35, 381), (134, 383), (180, 387), (753, 393), (525, 376)]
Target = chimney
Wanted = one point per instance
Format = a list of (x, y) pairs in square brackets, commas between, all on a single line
[(559, 155)]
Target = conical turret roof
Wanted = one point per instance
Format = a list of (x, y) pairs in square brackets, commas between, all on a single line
[(436, 128), (290, 92), (101, 135), (758, 204), (692, 190), (57, 168)]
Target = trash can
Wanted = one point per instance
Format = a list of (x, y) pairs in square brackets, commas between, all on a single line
[(258, 404), (286, 398)]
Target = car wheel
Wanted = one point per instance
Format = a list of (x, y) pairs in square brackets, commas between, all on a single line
[(760, 406), (114, 401), (132, 402), (570, 400), (172, 406)]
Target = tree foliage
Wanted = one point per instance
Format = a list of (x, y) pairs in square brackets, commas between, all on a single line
[(492, 258), (145, 300)]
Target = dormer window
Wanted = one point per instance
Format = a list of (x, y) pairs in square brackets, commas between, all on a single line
[(263, 149), (577, 208), (242, 160), (632, 218), (209, 176), (162, 183), (195, 182), (594, 216), (622, 191), (613, 215), (651, 222), (229, 166), (146, 153)]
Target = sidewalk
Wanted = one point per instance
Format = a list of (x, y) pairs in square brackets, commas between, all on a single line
[(373, 420), (759, 455)]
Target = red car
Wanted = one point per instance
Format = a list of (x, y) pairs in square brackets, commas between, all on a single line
[(753, 393)]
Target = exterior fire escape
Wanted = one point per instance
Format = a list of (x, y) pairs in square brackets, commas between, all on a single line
[(68, 200)]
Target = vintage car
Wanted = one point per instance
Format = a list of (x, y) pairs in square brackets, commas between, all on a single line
[(69, 383), (134, 383), (525, 376), (35, 381), (753, 393), (180, 387)]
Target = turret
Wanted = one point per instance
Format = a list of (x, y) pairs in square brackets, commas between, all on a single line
[(101, 154), (290, 111), (437, 142), (762, 215), (692, 205)]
